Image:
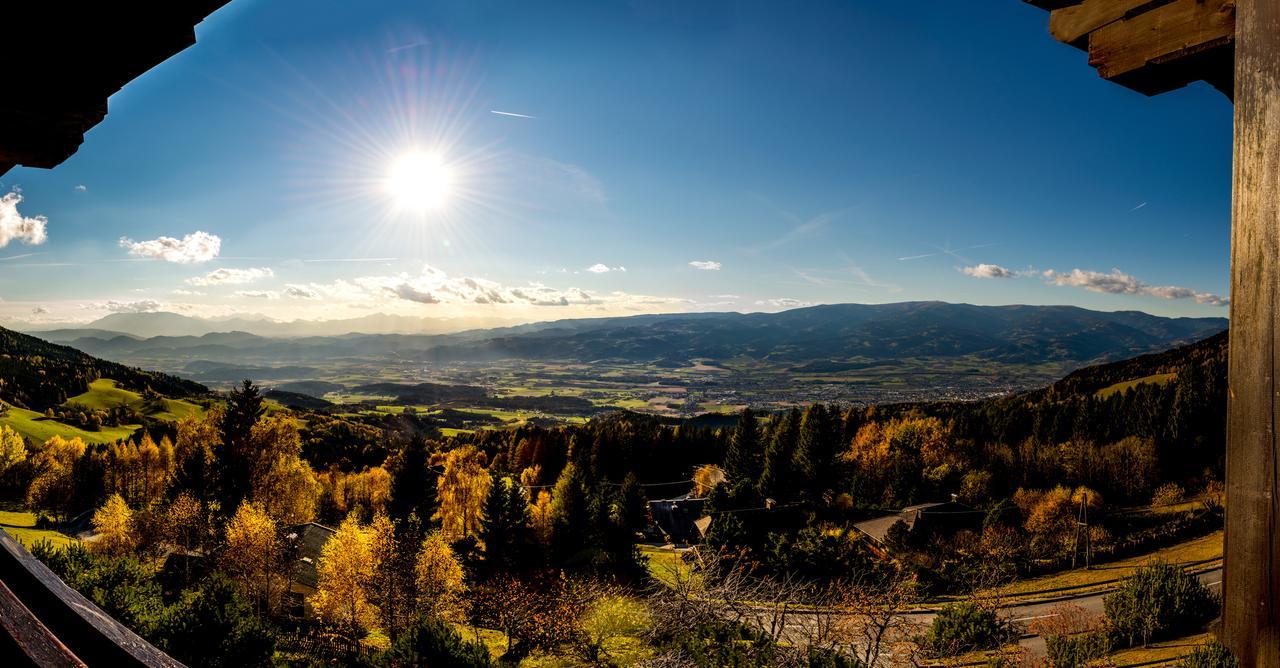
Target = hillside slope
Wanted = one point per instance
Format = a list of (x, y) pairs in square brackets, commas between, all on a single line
[(36, 374)]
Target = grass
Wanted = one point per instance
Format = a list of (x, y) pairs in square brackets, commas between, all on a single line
[(22, 526), (105, 393), (36, 427), (664, 564), (1160, 653), (1199, 549), (1156, 378)]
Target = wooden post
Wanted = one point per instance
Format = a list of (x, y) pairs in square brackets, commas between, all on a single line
[(1251, 582)]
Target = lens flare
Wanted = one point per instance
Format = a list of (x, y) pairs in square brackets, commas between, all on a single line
[(419, 181)]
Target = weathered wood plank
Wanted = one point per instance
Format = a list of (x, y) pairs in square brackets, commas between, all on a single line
[(1251, 581), (1073, 24), (1162, 35), (29, 641)]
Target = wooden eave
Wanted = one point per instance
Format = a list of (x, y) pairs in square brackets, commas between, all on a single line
[(1151, 46)]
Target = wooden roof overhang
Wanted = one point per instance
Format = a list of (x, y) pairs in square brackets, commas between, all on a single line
[(64, 59), (1151, 46)]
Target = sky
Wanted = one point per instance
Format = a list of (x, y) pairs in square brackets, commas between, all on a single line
[(469, 160)]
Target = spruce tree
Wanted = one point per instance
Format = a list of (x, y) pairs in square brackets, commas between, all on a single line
[(744, 459)]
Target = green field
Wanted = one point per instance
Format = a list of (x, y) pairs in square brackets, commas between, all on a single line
[(1157, 378), (37, 427), (21, 525), (105, 393)]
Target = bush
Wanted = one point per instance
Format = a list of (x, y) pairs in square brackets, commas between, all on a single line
[(1157, 600), (1168, 494), (214, 625), (1211, 655), (964, 627), (1075, 651), (432, 642)]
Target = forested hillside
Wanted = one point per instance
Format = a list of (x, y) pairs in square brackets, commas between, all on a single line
[(37, 375)]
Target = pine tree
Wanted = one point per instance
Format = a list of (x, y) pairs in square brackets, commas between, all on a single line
[(635, 506), (413, 485), (744, 459), (570, 520), (505, 530), (776, 480), (815, 456), (244, 407)]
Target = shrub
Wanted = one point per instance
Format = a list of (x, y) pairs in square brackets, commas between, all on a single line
[(966, 626), (214, 625), (1168, 494), (1075, 651), (432, 642), (1210, 655), (1157, 600)]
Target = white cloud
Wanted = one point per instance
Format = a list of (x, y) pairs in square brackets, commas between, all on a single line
[(188, 293), (989, 271), (258, 294), (705, 265), (192, 248), (433, 286), (139, 306), (1119, 283), (17, 227), (80, 188), (226, 276), (783, 302), (600, 268), (300, 292), (39, 310)]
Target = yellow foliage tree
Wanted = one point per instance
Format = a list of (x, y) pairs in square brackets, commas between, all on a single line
[(705, 479), (461, 492), (540, 517), (282, 481), (51, 483), (343, 576), (252, 553), (13, 450), (439, 576), (113, 525)]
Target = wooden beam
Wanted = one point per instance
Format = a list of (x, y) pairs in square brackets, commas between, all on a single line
[(1251, 580), (1162, 35), (1073, 24)]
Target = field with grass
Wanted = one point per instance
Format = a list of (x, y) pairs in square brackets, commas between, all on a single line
[(21, 524), (105, 393), (1158, 379), (1199, 550), (36, 427)]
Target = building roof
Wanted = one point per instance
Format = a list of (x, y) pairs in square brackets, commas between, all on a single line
[(308, 541), (877, 529)]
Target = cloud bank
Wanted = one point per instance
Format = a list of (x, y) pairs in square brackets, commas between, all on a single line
[(190, 249), (989, 271), (226, 276), (1119, 283), (16, 227)]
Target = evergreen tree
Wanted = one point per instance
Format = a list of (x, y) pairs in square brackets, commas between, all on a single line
[(244, 407), (570, 520), (815, 455), (744, 459), (776, 480), (413, 485), (505, 528), (635, 506)]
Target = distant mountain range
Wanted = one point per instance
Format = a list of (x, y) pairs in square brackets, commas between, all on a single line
[(162, 323), (825, 338)]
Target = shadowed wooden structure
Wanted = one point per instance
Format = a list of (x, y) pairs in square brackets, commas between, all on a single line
[(1153, 46)]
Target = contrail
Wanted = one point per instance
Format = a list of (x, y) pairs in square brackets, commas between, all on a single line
[(1138, 207), (511, 113)]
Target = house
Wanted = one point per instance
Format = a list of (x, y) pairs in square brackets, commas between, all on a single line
[(305, 542), (680, 520), (939, 518)]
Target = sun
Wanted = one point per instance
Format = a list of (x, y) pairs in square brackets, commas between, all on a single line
[(419, 181)]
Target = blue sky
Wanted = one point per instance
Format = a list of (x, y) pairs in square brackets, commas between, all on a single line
[(803, 153)]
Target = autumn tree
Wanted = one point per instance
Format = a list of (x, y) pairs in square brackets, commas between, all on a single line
[(198, 437), (252, 555), (52, 483), (463, 488), (344, 574), (281, 481), (187, 526), (13, 454), (439, 577), (393, 588), (113, 528), (541, 518)]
